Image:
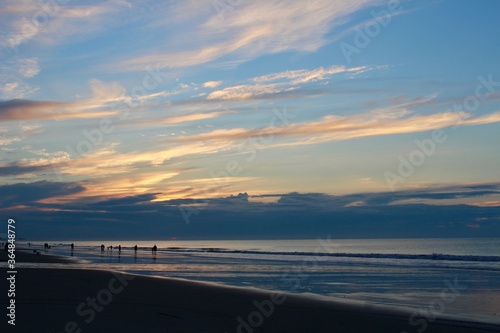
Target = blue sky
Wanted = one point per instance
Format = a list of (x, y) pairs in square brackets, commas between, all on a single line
[(208, 99)]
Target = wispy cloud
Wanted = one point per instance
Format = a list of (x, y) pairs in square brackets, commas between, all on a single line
[(304, 75), (29, 110), (26, 20), (191, 117), (98, 105), (29, 67), (335, 128), (282, 82), (14, 82), (252, 29), (243, 92)]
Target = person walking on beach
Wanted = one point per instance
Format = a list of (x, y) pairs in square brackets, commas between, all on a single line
[(154, 248), (72, 246), (119, 248), (102, 247), (135, 248)]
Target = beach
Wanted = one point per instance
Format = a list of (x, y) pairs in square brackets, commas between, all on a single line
[(86, 300)]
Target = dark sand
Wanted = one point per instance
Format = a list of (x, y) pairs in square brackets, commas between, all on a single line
[(27, 255), (60, 300)]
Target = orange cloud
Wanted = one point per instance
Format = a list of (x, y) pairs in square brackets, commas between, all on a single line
[(335, 128)]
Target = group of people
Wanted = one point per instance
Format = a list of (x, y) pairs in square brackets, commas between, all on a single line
[(153, 249), (46, 246)]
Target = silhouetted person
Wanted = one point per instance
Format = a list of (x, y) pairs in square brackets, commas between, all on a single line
[(154, 248), (119, 248), (135, 248), (36, 252), (72, 246), (102, 247)]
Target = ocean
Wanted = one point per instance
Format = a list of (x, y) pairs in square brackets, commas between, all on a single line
[(399, 272)]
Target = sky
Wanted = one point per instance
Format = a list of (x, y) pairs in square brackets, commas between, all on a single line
[(190, 105)]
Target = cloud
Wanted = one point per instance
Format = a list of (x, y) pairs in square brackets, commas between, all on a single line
[(244, 92), (303, 75), (106, 92), (190, 117), (15, 73), (26, 194), (110, 173), (294, 215), (335, 128), (211, 84), (252, 29), (487, 204), (43, 162), (14, 169), (18, 109), (7, 140), (282, 82), (103, 95), (25, 20), (28, 67)]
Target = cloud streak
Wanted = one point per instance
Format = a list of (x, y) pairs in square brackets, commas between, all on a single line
[(18, 109), (335, 128), (253, 29), (27, 20), (282, 82)]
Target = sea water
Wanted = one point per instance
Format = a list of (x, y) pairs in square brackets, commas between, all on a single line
[(408, 272)]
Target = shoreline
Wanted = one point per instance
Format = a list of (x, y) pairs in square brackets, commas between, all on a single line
[(60, 300), (26, 255)]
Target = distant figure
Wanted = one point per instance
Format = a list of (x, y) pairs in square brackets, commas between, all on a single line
[(72, 246), (111, 247), (29, 244), (119, 248), (154, 248), (36, 252), (135, 248), (102, 247)]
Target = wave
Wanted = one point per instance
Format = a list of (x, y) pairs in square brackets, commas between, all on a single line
[(434, 256)]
